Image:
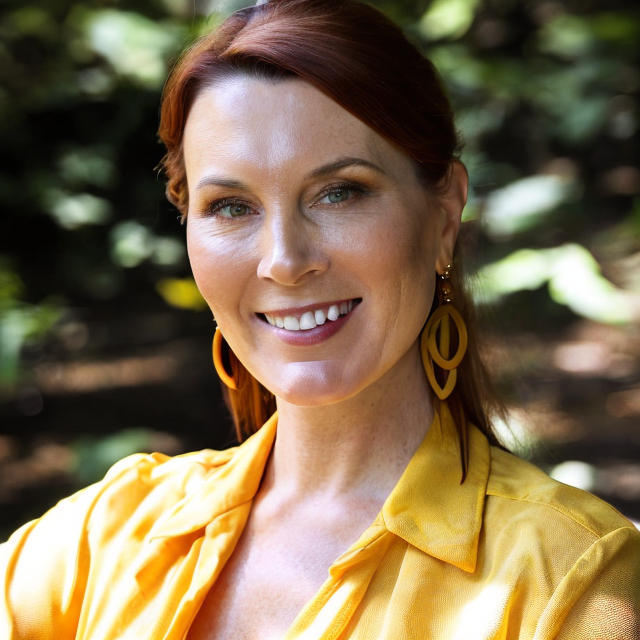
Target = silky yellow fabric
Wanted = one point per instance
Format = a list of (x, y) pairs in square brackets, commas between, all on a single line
[(508, 554)]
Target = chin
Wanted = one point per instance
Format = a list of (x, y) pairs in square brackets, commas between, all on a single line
[(311, 386)]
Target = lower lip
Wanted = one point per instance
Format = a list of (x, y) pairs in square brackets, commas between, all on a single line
[(311, 337)]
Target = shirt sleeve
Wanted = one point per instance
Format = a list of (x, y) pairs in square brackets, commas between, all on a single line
[(42, 569), (44, 566), (599, 599)]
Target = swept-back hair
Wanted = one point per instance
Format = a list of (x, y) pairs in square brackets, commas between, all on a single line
[(359, 58)]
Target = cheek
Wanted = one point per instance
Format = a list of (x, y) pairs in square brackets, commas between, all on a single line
[(407, 253), (407, 267), (219, 266)]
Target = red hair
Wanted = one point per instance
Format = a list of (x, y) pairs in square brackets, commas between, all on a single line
[(360, 59), (348, 50)]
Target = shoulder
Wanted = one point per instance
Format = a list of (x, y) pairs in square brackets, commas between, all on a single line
[(140, 475), (565, 538), (574, 554), (105, 522), (157, 468), (517, 486), (140, 482)]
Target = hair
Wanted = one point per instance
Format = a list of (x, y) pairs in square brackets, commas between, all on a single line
[(363, 61)]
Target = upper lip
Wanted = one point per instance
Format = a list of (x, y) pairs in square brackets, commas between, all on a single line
[(298, 311)]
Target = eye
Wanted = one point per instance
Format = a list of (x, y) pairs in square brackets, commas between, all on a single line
[(233, 210), (340, 193), (228, 208)]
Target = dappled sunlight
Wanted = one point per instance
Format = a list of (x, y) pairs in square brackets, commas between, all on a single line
[(74, 211), (592, 358), (575, 473), (481, 612), (85, 377), (542, 423), (133, 243), (135, 46), (519, 206), (577, 281), (516, 434), (574, 279), (448, 18), (581, 357)]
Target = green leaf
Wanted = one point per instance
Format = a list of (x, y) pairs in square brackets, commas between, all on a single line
[(447, 19)]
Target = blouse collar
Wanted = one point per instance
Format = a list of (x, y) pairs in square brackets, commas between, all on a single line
[(429, 508)]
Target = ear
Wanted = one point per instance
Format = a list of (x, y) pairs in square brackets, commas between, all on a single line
[(451, 204)]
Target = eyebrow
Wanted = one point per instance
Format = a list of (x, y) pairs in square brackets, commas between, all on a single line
[(219, 182), (342, 163), (325, 169)]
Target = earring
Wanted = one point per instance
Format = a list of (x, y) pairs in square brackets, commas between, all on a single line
[(436, 337), (218, 361)]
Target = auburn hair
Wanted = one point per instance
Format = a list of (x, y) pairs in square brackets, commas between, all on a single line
[(363, 61)]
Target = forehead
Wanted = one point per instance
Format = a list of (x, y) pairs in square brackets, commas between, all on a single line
[(276, 124)]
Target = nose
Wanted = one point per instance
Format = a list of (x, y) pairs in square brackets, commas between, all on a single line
[(291, 248)]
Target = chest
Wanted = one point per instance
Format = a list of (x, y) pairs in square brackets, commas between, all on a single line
[(267, 581)]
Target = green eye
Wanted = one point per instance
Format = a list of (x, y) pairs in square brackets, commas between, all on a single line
[(234, 210), (339, 195)]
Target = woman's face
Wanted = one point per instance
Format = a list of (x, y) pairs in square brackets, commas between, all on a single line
[(311, 238)]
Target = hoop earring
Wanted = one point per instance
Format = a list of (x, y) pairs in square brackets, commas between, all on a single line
[(435, 345), (218, 361)]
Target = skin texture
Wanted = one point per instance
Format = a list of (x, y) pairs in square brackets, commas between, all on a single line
[(326, 210), (295, 248)]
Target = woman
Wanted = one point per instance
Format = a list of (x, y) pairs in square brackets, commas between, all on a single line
[(312, 153)]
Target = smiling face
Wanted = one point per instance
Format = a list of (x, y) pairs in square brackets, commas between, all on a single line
[(311, 238)]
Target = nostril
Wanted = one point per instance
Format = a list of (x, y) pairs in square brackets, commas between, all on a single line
[(289, 253)]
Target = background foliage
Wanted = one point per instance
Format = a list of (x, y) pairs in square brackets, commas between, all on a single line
[(104, 341)]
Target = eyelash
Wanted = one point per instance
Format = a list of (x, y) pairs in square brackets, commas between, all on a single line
[(216, 206), (356, 190)]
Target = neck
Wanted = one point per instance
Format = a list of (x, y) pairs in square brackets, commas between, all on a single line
[(358, 447)]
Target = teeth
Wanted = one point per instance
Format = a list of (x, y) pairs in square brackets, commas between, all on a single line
[(291, 323), (309, 319), (334, 312)]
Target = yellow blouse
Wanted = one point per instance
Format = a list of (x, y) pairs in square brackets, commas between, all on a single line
[(508, 554)]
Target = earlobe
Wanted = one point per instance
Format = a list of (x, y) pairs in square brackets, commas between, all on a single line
[(452, 203)]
